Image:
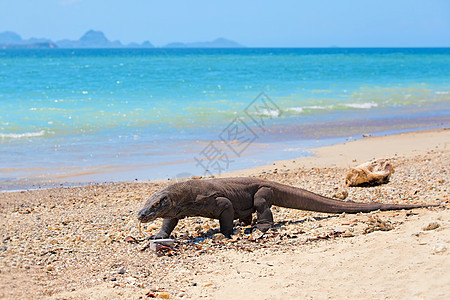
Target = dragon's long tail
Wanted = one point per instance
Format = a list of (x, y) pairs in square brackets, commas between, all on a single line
[(292, 197)]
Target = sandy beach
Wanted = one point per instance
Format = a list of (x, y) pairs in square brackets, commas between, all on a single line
[(83, 242)]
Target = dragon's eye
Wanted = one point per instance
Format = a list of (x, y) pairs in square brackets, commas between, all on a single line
[(158, 202)]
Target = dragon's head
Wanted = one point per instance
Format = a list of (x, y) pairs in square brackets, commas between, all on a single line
[(159, 205)]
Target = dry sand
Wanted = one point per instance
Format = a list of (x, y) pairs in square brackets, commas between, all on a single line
[(69, 243)]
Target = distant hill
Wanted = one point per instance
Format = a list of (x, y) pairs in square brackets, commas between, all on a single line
[(97, 39), (91, 39), (11, 40), (9, 37), (218, 43)]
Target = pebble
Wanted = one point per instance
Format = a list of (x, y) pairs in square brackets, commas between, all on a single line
[(163, 295)]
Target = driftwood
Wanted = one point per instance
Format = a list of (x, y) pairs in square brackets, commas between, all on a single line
[(371, 173)]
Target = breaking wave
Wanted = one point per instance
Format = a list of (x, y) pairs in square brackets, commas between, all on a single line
[(22, 135)]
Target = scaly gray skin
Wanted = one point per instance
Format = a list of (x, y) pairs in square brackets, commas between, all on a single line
[(227, 199)]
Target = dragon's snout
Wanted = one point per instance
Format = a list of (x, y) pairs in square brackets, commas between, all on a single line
[(144, 216), (141, 214)]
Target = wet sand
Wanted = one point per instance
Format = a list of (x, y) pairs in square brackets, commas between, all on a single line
[(71, 243)]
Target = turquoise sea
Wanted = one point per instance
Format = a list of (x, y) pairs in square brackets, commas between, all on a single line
[(83, 115)]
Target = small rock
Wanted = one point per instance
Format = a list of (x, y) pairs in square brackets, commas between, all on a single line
[(181, 294), (439, 248), (49, 268), (208, 284), (121, 271), (431, 226), (366, 135), (218, 237)]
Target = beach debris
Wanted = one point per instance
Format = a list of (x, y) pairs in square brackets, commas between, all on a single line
[(160, 246), (431, 226), (340, 194), (377, 224), (130, 239), (371, 173), (366, 135), (150, 295), (140, 230)]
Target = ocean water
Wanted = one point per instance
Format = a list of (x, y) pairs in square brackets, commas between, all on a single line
[(99, 115)]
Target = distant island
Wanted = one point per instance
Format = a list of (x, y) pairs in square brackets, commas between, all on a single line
[(97, 39), (217, 43)]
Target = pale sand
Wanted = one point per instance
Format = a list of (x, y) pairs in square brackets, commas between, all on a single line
[(355, 152), (69, 243)]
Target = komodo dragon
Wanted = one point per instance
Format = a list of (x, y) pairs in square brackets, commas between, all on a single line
[(227, 199)]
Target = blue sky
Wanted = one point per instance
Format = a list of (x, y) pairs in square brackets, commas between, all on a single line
[(257, 23)]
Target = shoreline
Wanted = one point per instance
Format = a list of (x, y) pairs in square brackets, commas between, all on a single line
[(354, 152), (316, 158), (70, 242)]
